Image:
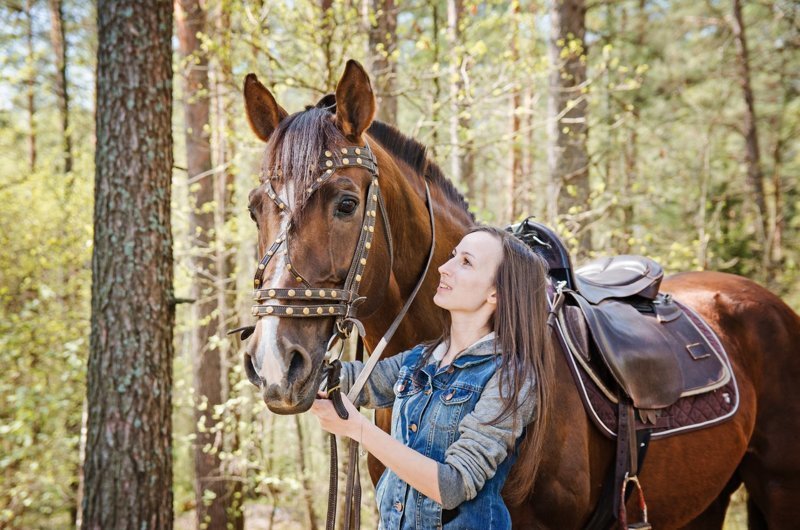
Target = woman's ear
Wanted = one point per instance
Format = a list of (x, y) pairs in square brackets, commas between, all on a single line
[(492, 298)]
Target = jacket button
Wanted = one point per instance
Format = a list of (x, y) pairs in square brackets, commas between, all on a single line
[(401, 388), (398, 506), (448, 397), (413, 427), (428, 391), (450, 369)]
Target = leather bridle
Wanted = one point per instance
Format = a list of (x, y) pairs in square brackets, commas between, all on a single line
[(325, 301)]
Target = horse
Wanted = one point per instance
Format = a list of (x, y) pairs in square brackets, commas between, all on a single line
[(688, 479)]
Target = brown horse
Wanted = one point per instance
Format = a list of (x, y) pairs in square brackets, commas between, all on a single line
[(687, 478)]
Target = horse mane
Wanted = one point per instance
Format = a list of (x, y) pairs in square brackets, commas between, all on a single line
[(415, 155)]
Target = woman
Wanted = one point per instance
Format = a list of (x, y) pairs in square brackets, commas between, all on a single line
[(460, 404)]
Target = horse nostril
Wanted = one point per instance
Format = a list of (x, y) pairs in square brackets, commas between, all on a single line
[(299, 363), (250, 370)]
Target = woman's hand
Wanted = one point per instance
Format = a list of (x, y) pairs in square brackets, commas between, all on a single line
[(330, 421)]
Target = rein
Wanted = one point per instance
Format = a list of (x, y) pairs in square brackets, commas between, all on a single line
[(342, 304)]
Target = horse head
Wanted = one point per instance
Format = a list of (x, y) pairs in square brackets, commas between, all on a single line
[(317, 195)]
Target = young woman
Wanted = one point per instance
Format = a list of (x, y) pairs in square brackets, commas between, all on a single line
[(461, 403)]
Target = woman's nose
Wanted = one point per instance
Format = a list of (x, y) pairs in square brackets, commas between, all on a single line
[(444, 267)]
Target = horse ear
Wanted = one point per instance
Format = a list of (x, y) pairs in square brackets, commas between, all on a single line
[(355, 101), (328, 102), (263, 112)]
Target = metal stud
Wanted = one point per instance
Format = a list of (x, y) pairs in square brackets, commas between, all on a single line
[(298, 279), (329, 171), (319, 310), (270, 252), (333, 294), (281, 206), (358, 151), (291, 292), (322, 293), (305, 311), (368, 245), (308, 292), (363, 261), (374, 197), (288, 266), (309, 190), (328, 163), (271, 293), (345, 161), (289, 310), (358, 277), (280, 172), (344, 150), (371, 228), (328, 154), (331, 310), (358, 160), (319, 179), (270, 309), (257, 281), (261, 266)]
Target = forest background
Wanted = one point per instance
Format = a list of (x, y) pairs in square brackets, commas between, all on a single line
[(660, 127)]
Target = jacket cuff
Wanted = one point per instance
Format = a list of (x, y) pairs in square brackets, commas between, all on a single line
[(451, 487)]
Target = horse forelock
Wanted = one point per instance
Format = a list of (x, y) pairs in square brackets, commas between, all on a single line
[(296, 148)]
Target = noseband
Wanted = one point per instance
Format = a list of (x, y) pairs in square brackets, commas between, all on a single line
[(325, 301)]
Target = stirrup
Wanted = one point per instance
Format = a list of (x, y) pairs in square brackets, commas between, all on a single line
[(623, 519)]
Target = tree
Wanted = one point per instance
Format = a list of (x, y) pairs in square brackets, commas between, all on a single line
[(211, 489), (383, 59), (59, 45), (567, 156), (128, 466)]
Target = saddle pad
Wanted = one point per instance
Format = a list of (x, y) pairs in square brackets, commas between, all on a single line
[(655, 357), (687, 414)]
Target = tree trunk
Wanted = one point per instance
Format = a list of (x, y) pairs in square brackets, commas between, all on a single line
[(128, 468), (31, 87), (567, 156), (518, 194), (59, 45), (436, 97), (211, 488), (461, 151), (755, 177), (383, 63)]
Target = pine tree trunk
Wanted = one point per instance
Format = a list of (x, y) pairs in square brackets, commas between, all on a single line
[(383, 64), (567, 156), (755, 177), (210, 485), (308, 493), (128, 468), (461, 150), (59, 45)]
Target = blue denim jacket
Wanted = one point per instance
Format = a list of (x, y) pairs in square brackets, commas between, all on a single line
[(428, 409)]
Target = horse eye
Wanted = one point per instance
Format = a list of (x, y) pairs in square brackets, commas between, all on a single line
[(347, 206), (252, 215)]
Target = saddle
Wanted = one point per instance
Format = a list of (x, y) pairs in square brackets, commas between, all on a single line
[(640, 352), (612, 308)]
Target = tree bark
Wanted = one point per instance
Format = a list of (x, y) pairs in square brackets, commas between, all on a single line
[(128, 467), (308, 493), (383, 64), (211, 487), (567, 156), (755, 177), (59, 45), (519, 194)]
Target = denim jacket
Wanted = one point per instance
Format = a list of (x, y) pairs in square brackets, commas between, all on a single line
[(443, 413)]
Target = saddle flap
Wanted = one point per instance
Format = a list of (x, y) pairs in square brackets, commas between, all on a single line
[(619, 277), (654, 361)]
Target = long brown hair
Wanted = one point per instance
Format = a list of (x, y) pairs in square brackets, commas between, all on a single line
[(523, 341)]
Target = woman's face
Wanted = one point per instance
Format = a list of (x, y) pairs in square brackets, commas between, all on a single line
[(467, 279)]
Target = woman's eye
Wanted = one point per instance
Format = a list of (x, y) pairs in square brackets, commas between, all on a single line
[(465, 261), (347, 206)]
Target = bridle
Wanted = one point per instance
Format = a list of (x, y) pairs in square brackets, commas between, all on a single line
[(342, 304), (325, 302)]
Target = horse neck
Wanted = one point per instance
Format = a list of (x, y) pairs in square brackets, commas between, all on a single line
[(403, 191)]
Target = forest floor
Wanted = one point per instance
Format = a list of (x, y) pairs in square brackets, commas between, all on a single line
[(257, 517)]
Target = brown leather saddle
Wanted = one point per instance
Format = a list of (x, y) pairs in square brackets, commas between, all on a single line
[(611, 308), (644, 352)]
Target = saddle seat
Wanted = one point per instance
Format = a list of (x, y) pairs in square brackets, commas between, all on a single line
[(613, 310)]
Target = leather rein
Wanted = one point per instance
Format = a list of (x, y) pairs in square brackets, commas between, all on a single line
[(342, 304)]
